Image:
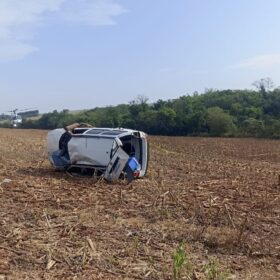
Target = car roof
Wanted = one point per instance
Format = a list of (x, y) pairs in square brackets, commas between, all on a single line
[(103, 132)]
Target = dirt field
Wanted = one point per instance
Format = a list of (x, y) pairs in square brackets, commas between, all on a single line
[(216, 199)]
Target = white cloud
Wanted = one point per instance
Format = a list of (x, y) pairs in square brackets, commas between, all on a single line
[(19, 19), (15, 16), (93, 12), (14, 50), (258, 62)]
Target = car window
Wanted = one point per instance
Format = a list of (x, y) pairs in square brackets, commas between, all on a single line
[(96, 131), (79, 130), (114, 132)]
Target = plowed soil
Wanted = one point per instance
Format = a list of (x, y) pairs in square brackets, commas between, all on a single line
[(218, 198)]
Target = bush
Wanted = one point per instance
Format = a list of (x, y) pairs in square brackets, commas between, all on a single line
[(219, 122)]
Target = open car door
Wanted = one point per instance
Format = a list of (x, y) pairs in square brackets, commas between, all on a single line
[(116, 165)]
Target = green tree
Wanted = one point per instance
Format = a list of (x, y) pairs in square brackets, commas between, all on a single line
[(165, 120), (253, 127), (264, 85), (219, 122)]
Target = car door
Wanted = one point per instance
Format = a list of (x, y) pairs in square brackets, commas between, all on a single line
[(116, 165)]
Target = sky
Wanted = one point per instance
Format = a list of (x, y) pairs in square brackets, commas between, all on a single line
[(81, 54)]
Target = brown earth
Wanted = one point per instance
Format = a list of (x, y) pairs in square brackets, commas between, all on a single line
[(219, 198)]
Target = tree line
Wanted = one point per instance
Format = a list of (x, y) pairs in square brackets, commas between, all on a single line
[(240, 113)]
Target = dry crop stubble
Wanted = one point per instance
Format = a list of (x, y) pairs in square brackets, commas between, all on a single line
[(219, 196)]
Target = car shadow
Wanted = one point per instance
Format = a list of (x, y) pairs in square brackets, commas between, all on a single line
[(42, 172)]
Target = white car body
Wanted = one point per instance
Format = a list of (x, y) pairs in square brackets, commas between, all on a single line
[(16, 120), (106, 150)]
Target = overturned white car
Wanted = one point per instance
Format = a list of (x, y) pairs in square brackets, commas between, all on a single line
[(108, 152)]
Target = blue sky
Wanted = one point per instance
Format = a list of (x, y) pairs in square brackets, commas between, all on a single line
[(75, 54)]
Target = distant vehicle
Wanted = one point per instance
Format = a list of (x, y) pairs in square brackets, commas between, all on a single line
[(16, 115), (108, 152), (16, 119)]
